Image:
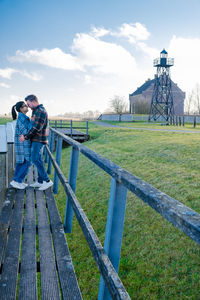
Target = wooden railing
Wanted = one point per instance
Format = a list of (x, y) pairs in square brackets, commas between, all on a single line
[(68, 124), (181, 216), (107, 259)]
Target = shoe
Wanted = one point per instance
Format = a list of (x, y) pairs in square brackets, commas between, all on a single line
[(45, 185), (17, 185), (35, 184), (24, 184)]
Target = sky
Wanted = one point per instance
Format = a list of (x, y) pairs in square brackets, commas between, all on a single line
[(77, 55)]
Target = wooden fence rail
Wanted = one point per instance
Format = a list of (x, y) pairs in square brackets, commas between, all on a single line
[(181, 216), (68, 124)]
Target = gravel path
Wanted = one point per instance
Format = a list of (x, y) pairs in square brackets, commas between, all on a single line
[(104, 124)]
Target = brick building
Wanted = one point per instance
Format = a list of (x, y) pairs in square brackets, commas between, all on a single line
[(140, 100)]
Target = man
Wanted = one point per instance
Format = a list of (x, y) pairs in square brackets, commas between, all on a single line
[(38, 137)]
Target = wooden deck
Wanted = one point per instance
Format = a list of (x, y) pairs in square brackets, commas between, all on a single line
[(35, 262), (75, 134)]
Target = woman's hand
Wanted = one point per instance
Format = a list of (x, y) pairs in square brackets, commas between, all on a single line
[(21, 138)]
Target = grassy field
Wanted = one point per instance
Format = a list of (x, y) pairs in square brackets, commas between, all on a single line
[(157, 260), (144, 124), (5, 120)]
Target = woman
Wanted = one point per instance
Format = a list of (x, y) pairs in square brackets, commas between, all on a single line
[(22, 150)]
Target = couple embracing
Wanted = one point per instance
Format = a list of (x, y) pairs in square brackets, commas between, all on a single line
[(30, 137)]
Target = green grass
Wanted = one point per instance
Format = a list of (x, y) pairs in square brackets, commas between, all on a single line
[(5, 120), (157, 125), (157, 260)]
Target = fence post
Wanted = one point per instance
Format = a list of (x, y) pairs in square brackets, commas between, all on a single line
[(58, 159), (114, 230), (3, 164), (183, 121), (179, 121), (73, 171), (195, 121), (51, 149), (10, 148), (87, 127), (71, 128)]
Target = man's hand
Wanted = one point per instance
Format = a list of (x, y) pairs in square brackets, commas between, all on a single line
[(21, 138)]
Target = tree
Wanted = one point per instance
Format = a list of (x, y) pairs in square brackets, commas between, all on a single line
[(188, 103), (118, 104), (196, 93)]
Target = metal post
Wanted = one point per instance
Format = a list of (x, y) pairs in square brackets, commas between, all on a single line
[(51, 149), (114, 230), (71, 129), (73, 171), (58, 160)]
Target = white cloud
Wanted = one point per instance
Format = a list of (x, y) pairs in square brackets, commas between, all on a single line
[(54, 58), (32, 75), (102, 57), (99, 32), (7, 73), (4, 85), (186, 70), (133, 32)]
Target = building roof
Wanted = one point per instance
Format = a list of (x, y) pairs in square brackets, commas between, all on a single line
[(143, 87), (147, 84)]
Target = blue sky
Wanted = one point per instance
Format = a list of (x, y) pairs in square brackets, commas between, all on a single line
[(76, 55)]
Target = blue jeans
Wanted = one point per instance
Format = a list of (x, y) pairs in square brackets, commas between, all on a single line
[(37, 160), (21, 170)]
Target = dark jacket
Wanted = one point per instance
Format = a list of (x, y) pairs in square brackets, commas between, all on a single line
[(38, 133)]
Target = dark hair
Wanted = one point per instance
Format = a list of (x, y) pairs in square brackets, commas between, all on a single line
[(15, 108), (31, 98)]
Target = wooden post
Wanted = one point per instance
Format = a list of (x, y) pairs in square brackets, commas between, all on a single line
[(183, 121), (73, 171), (87, 127), (179, 121), (71, 128), (114, 230), (194, 122), (10, 148), (58, 159), (3, 164)]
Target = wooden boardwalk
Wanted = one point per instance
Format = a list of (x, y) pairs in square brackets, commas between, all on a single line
[(35, 262)]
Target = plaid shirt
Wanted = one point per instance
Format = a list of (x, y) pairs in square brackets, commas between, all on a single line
[(22, 150), (38, 132)]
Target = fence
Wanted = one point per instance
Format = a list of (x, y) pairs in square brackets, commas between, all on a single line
[(7, 161), (175, 212), (176, 120), (68, 124)]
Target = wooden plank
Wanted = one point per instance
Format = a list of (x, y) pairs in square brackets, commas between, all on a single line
[(68, 281), (28, 270), (30, 175), (49, 279), (5, 218), (8, 282)]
